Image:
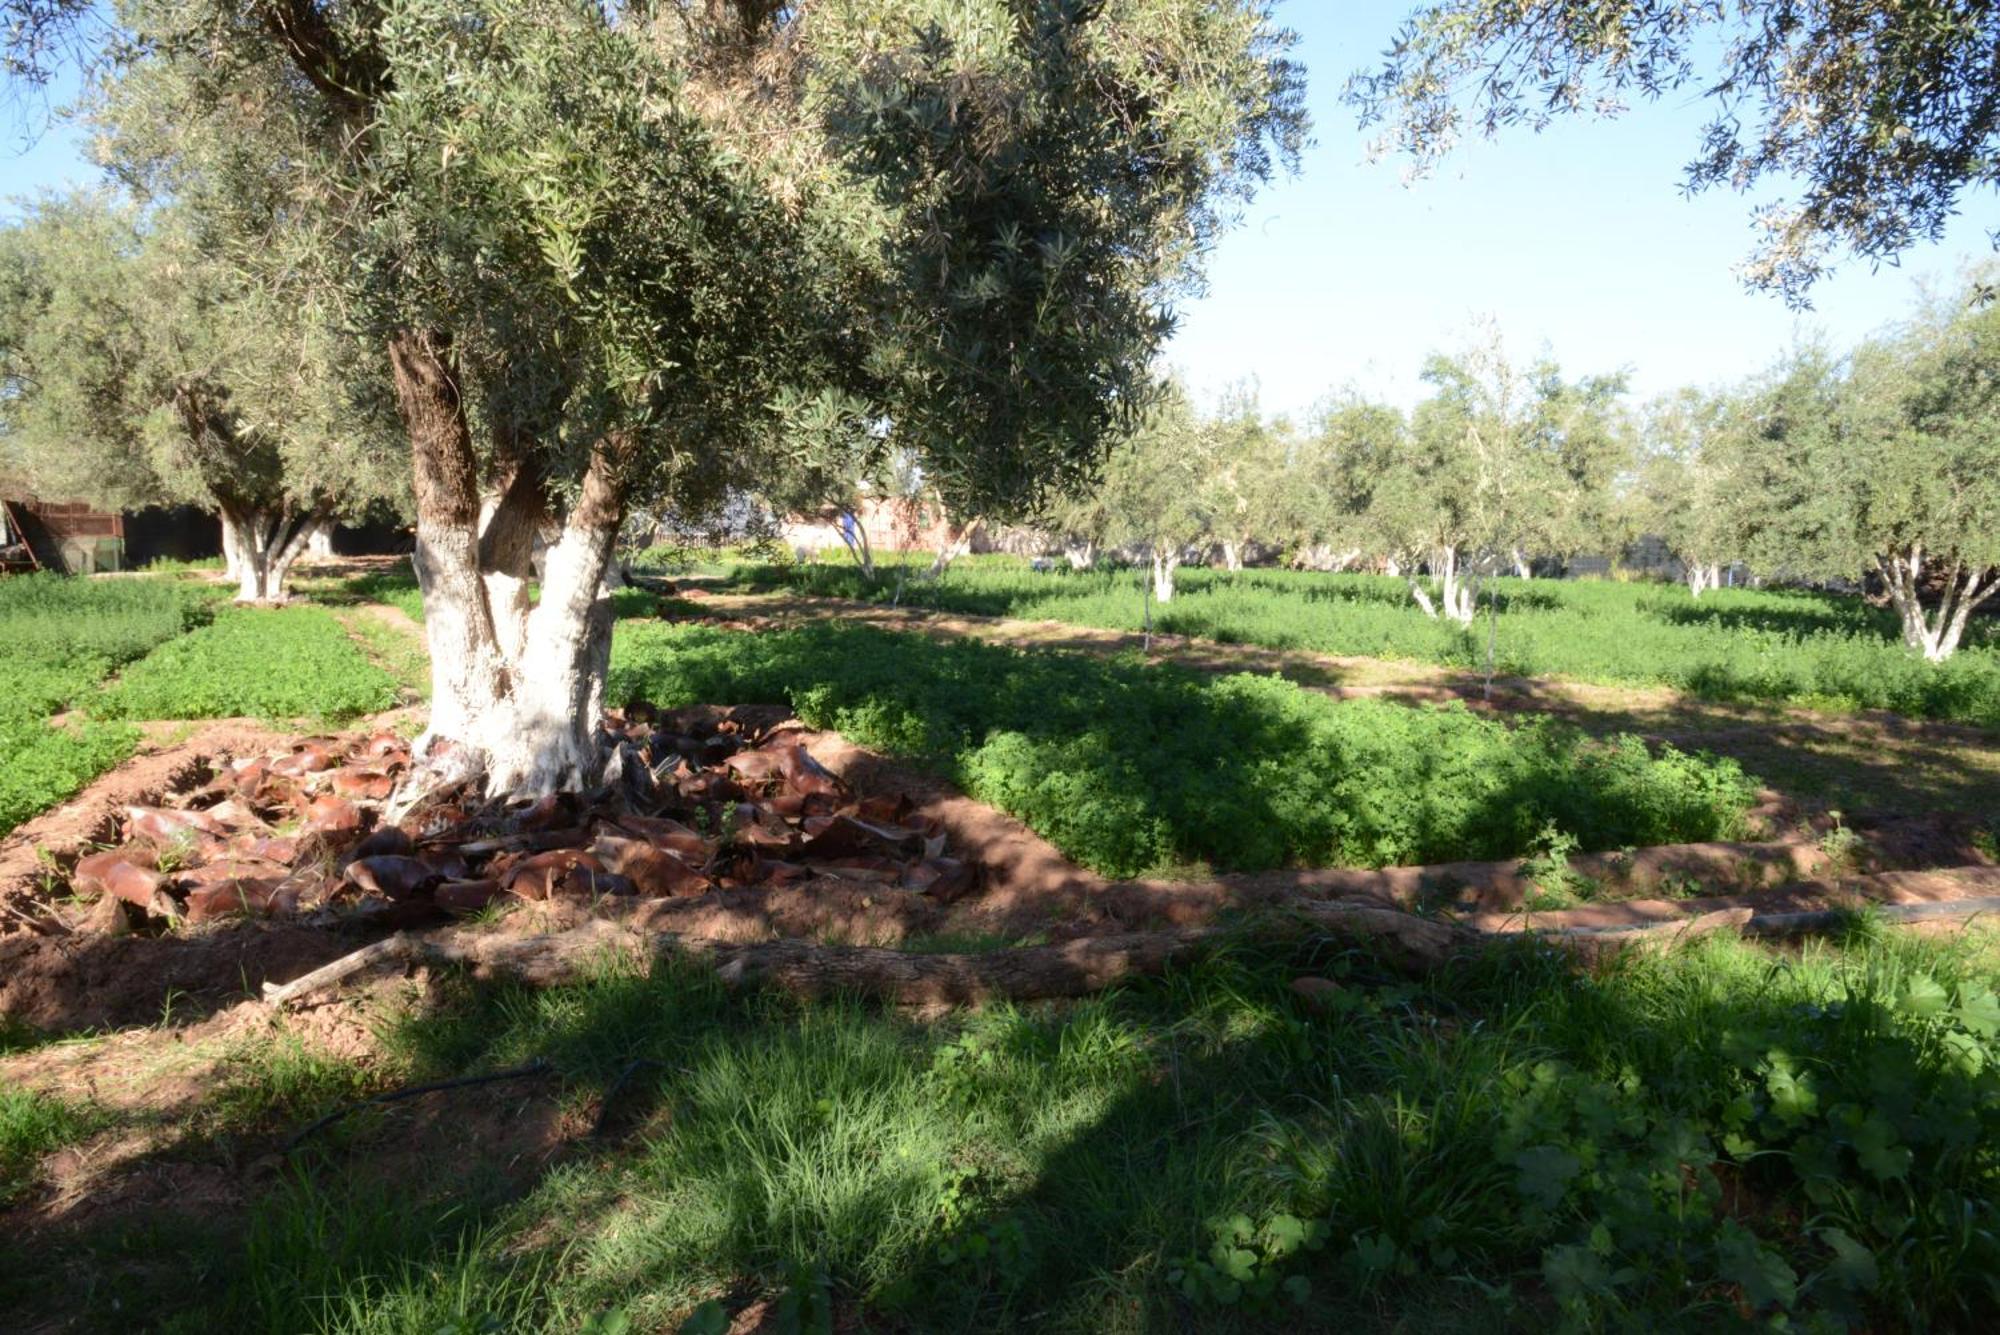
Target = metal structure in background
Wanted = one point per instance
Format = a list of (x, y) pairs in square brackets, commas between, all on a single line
[(65, 537)]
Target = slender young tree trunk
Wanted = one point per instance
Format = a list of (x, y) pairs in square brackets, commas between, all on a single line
[(260, 545), (857, 545), (1521, 566), (1934, 635), (516, 690)]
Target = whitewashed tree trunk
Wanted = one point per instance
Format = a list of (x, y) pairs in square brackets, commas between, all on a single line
[(1935, 635), (1232, 556), (232, 548), (1393, 566), (1522, 568), (1165, 563), (857, 544), (1458, 591), (319, 540), (516, 691), (1080, 555), (1703, 576), (260, 546)]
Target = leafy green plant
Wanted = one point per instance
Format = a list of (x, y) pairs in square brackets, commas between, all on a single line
[(1246, 1261), (1555, 884), (1130, 767), (293, 662)]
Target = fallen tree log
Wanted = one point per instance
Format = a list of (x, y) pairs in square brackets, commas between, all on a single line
[(1066, 969)]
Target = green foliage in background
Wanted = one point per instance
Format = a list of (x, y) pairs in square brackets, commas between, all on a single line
[(1130, 768), (293, 662), (58, 638), (1785, 646)]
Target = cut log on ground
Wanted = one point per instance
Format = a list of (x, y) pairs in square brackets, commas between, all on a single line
[(1068, 969)]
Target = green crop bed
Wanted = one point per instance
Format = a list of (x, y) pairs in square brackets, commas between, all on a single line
[(293, 662), (1132, 768), (59, 638), (1820, 650)]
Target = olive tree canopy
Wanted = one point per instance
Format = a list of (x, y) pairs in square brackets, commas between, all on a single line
[(1885, 113), (136, 370), (619, 256)]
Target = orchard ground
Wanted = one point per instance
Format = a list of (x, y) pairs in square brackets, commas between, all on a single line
[(1285, 1129)]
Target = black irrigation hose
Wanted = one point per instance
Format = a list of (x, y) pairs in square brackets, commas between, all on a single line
[(612, 1091), (534, 1068)]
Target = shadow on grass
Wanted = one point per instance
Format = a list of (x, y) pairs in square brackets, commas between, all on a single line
[(1696, 1138)]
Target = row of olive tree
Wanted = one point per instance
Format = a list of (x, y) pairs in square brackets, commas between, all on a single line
[(1500, 461), (1882, 465)]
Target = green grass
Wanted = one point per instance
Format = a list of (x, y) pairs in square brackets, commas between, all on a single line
[(1825, 651), (293, 662), (33, 1125), (1719, 1137), (1131, 768)]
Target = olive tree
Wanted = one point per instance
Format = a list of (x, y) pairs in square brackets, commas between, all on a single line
[(1910, 487), (1244, 479), (1327, 510), (614, 256), (138, 371), (1498, 462), (1152, 494), (1882, 112), (1686, 491)]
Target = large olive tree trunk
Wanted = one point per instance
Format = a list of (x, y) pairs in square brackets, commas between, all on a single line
[(516, 689)]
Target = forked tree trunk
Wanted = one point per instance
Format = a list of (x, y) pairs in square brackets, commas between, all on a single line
[(1165, 563), (1232, 556), (1458, 591), (1935, 635), (1080, 555), (1703, 576), (516, 690), (259, 547), (1522, 568)]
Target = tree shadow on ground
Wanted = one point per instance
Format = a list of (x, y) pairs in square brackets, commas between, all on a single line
[(1672, 1141), (1844, 617)]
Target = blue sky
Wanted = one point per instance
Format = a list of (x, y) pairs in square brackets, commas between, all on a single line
[(1578, 239)]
